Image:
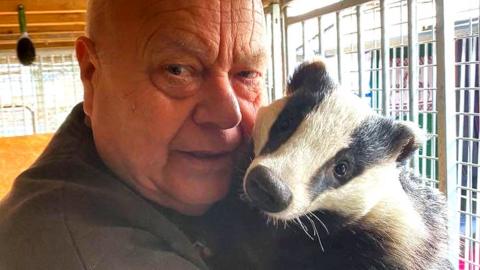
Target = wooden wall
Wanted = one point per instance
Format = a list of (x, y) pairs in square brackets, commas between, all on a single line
[(16, 155)]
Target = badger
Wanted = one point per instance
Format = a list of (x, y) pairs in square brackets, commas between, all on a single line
[(323, 159)]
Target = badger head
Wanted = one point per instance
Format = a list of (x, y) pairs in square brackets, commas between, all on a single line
[(322, 148)]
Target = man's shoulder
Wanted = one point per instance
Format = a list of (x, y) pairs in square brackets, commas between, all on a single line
[(32, 223), (80, 217)]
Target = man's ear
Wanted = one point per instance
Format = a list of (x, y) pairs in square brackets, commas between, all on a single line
[(88, 62), (406, 139)]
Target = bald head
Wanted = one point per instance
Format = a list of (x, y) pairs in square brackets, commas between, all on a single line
[(96, 13), (115, 21)]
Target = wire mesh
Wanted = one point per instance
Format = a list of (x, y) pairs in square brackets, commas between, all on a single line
[(467, 89), (37, 98), (467, 95)]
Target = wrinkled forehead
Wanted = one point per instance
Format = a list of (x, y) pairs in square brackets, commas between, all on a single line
[(204, 25), (213, 11), (209, 23)]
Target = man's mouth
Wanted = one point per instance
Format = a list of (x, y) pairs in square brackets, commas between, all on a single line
[(207, 155), (203, 161)]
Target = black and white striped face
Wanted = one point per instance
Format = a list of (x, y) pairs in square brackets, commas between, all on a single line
[(322, 148)]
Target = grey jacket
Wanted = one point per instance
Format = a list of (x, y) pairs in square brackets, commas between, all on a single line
[(68, 211)]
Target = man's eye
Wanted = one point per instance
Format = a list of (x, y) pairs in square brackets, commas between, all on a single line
[(176, 70), (248, 74)]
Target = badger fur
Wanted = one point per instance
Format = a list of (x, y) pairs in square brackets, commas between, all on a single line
[(324, 160)]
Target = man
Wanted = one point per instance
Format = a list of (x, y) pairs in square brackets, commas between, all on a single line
[(136, 176)]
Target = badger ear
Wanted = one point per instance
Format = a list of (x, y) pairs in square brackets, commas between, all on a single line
[(310, 76), (407, 138)]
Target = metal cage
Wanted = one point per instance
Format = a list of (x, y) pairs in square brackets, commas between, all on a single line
[(415, 60), (37, 98)]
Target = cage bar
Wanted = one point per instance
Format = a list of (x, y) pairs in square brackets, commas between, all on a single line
[(320, 35), (385, 58), (360, 51), (339, 46), (413, 68), (276, 52), (446, 119)]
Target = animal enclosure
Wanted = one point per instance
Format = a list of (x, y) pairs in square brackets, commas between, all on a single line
[(414, 60)]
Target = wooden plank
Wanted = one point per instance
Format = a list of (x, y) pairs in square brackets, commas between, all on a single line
[(266, 3), (45, 35), (38, 41), (51, 44), (43, 24), (45, 27), (12, 18), (30, 5), (39, 12), (16, 155)]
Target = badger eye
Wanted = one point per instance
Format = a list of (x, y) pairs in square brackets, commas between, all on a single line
[(341, 169), (284, 124)]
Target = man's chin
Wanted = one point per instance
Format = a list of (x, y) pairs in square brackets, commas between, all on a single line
[(205, 192), (191, 210), (195, 196), (195, 208)]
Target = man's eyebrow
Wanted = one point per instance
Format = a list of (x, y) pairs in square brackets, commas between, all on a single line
[(193, 49), (190, 45), (257, 57)]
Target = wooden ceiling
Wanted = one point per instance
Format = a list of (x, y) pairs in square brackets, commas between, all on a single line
[(50, 23), (267, 2)]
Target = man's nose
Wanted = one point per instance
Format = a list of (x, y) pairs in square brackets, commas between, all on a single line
[(219, 106)]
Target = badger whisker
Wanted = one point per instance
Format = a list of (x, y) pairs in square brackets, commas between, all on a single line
[(244, 197), (295, 221), (275, 223), (304, 228), (315, 232), (321, 222), (269, 220)]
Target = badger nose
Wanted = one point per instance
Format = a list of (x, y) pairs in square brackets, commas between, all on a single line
[(266, 190)]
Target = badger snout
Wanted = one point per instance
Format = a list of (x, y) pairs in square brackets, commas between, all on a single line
[(266, 190)]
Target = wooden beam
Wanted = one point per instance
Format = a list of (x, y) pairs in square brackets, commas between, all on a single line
[(50, 23), (47, 12), (12, 18), (44, 27), (266, 3), (44, 35), (38, 41), (43, 24), (45, 44), (31, 5)]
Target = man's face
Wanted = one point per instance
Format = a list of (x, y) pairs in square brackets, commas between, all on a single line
[(174, 93)]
